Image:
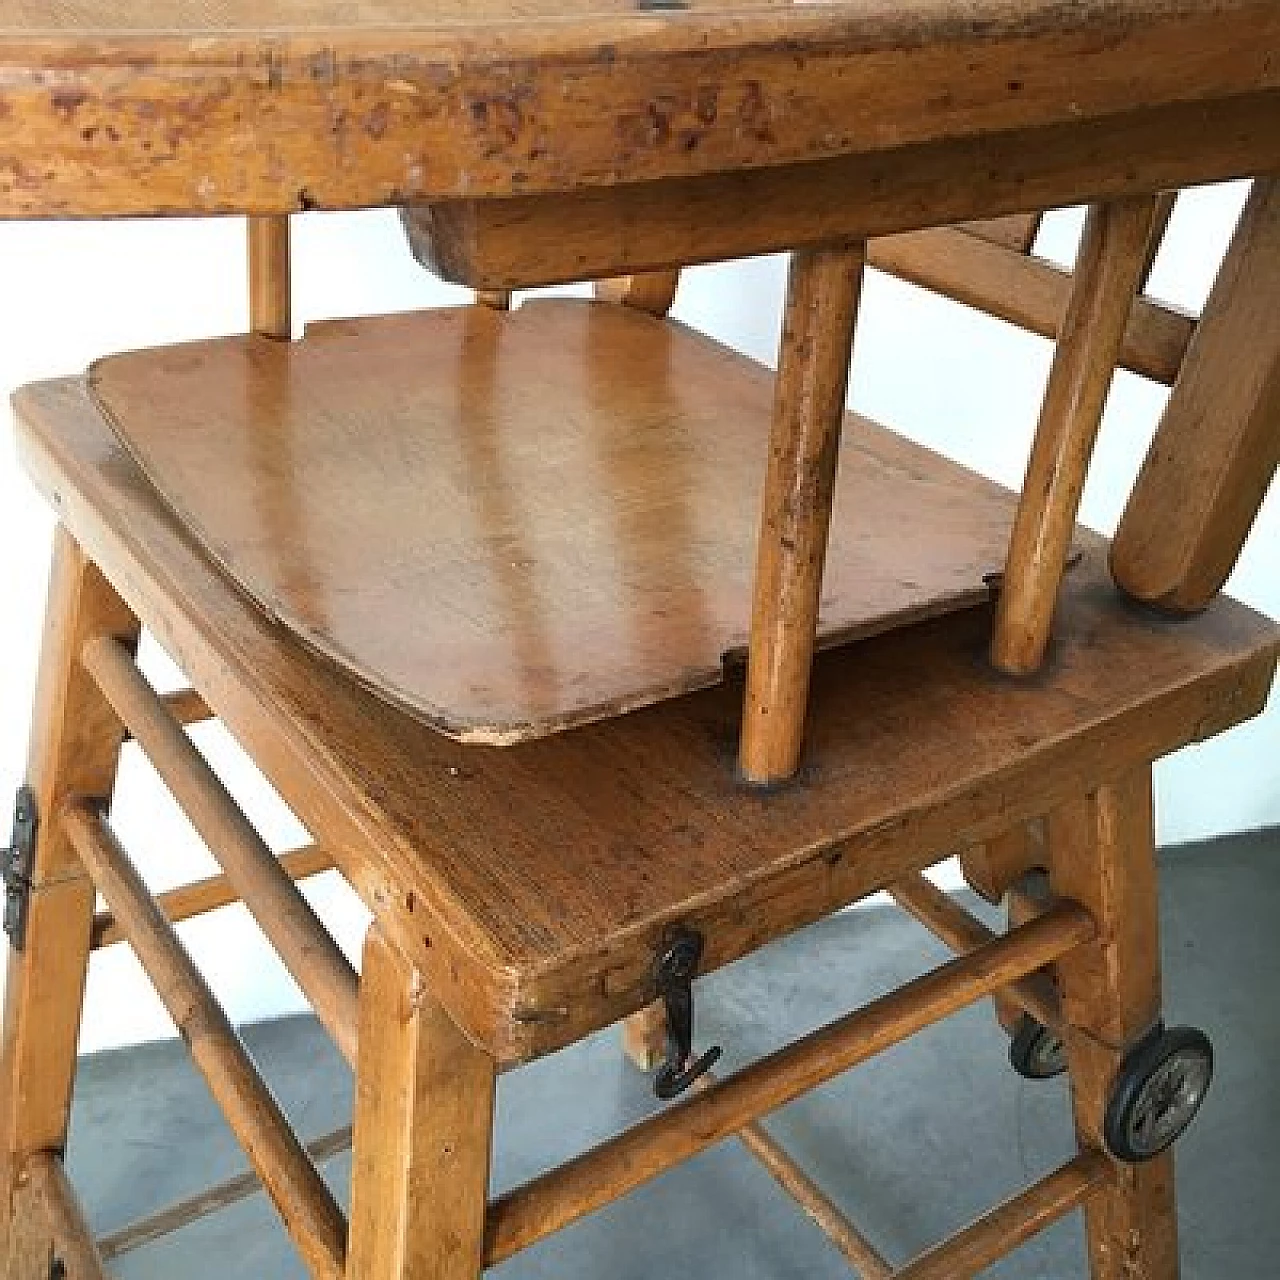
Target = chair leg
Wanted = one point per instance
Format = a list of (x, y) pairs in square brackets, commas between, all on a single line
[(75, 746), (1102, 855), (423, 1130), (644, 1037)]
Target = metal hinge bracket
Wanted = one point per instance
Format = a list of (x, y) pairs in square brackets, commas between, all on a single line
[(17, 864)]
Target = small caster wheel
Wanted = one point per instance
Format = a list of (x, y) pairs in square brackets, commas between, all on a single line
[(1157, 1093), (1035, 1052)]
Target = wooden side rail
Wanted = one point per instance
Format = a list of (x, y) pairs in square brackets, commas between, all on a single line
[(203, 896), (552, 1201), (964, 933), (1218, 443), (1014, 1222), (310, 1213), (305, 947)]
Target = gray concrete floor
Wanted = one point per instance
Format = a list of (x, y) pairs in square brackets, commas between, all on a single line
[(913, 1145)]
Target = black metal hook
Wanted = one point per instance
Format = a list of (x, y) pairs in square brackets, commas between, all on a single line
[(673, 975)]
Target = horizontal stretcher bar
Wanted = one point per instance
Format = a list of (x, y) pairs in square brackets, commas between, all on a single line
[(203, 896), (599, 1176)]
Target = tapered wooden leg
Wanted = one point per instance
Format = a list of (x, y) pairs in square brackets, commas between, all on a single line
[(808, 411), (423, 1127), (1102, 854), (75, 745), (644, 1036)]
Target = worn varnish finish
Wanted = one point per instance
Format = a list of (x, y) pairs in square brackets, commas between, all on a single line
[(424, 1115), (504, 875), (642, 226), (562, 503), (75, 744), (1112, 256), (1217, 446), (292, 105), (823, 289)]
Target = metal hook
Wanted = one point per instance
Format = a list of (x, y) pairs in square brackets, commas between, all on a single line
[(673, 975)]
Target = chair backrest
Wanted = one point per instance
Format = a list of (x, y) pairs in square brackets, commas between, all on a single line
[(1100, 318)]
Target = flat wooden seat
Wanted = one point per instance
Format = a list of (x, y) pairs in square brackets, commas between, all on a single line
[(511, 523), (533, 884)]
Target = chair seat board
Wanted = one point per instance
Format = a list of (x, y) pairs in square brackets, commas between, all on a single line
[(532, 884), (513, 523)]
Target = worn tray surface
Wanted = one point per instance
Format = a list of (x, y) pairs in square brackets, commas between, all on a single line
[(533, 884), (510, 524)]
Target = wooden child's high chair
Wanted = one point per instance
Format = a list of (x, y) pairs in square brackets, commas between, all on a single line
[(518, 609)]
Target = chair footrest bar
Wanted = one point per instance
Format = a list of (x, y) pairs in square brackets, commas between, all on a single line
[(310, 1213), (586, 1183), (73, 1244), (1014, 1222)]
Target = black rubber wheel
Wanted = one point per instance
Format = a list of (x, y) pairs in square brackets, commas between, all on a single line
[(1035, 1052), (1157, 1093)]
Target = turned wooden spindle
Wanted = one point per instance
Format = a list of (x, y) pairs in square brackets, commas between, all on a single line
[(270, 295), (1111, 261), (809, 401)]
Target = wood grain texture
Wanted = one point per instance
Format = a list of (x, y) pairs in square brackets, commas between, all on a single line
[(823, 289), (1027, 291), (1110, 263), (167, 107), (424, 1120), (1102, 854), (510, 876), (1218, 443), (645, 226), (310, 1214), (75, 745), (561, 502)]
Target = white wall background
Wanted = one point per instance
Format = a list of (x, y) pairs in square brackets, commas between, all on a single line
[(962, 383)]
